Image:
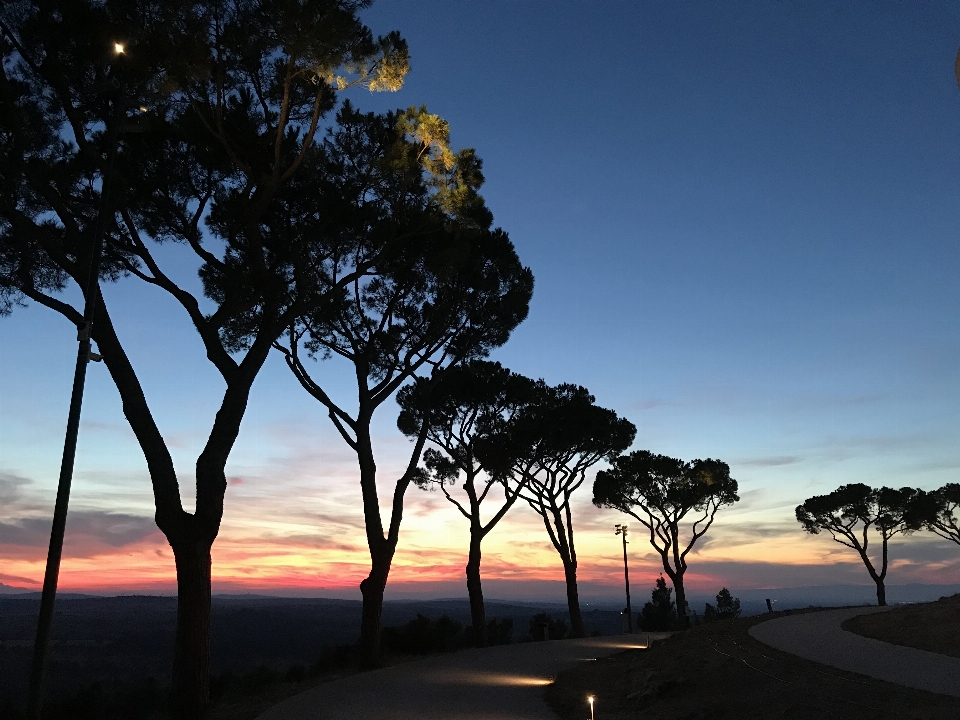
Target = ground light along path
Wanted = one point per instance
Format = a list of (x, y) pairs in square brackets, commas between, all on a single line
[(498, 683)]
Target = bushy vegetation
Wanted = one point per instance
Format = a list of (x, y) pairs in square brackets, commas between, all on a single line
[(660, 614), (544, 627), (423, 636), (150, 699), (499, 632), (727, 607)]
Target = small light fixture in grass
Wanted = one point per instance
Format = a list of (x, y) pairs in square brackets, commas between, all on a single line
[(590, 699)]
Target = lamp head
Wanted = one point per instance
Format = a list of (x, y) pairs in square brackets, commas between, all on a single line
[(118, 48)]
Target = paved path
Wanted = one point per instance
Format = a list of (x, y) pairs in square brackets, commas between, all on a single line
[(498, 683), (817, 636)]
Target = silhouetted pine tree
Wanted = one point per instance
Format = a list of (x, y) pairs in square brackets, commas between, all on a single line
[(727, 607), (661, 612)]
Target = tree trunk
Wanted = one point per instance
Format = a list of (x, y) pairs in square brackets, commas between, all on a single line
[(381, 551), (881, 593), (372, 588), (474, 590), (681, 596), (881, 588), (191, 550), (878, 578), (191, 657), (573, 600), (382, 548)]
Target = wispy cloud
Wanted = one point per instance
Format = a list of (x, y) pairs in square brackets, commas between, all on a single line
[(11, 488), (89, 533), (19, 581), (775, 461)]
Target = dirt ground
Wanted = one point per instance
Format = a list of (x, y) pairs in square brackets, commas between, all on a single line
[(717, 671), (928, 626)]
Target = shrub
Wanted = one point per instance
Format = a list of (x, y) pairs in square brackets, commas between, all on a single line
[(333, 659), (661, 612), (727, 608), (499, 632), (542, 621), (423, 636)]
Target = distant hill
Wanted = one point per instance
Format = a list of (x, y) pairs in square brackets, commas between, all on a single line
[(26, 593)]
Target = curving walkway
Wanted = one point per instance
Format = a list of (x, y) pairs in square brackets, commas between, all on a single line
[(818, 636), (498, 683)]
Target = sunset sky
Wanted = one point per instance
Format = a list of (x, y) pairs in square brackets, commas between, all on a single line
[(742, 219)]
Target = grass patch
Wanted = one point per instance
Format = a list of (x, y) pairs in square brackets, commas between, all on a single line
[(926, 626)]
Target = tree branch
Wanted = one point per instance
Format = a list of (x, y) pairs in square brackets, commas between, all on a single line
[(211, 339), (308, 384), (68, 311), (452, 499), (396, 514)]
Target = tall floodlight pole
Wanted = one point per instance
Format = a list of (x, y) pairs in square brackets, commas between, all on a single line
[(84, 355), (622, 530)]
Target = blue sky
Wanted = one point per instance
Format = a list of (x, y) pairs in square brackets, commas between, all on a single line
[(742, 219)]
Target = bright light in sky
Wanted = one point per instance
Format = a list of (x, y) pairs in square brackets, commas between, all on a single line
[(742, 221)]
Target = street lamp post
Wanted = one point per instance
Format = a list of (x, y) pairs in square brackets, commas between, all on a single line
[(622, 530), (84, 355)]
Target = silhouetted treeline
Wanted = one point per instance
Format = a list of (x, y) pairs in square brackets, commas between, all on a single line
[(423, 636), (544, 627), (660, 613)]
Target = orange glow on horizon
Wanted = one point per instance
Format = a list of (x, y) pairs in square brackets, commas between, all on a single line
[(302, 554), (260, 567)]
